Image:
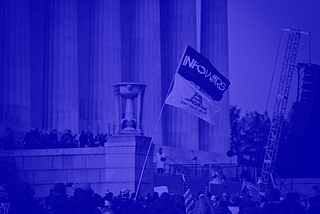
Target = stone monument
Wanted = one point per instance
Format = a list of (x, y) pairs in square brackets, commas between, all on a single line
[(127, 149)]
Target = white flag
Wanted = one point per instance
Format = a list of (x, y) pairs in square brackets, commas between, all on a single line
[(186, 95)]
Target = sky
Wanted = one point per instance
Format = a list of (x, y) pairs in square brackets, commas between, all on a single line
[(255, 32)]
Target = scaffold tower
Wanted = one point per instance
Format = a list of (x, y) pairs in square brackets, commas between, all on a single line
[(279, 109)]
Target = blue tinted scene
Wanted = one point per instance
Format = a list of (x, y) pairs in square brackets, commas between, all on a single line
[(159, 106)]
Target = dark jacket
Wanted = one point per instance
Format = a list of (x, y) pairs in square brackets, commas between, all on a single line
[(272, 207), (163, 206), (222, 210), (58, 204), (84, 202)]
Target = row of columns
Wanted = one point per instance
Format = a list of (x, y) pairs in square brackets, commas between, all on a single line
[(91, 45)]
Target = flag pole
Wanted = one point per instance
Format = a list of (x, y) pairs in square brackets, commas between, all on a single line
[(157, 123), (151, 141)]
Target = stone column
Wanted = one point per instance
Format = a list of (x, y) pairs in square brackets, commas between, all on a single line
[(15, 67), (106, 66), (147, 61), (214, 45), (180, 128), (63, 66)]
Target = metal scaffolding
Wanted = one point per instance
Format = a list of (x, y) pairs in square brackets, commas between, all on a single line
[(279, 110)]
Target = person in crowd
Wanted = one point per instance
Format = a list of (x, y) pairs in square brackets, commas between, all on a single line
[(291, 204), (27, 140), (202, 206), (218, 177), (163, 205), (214, 201), (36, 138), (122, 202), (154, 197), (106, 209), (160, 160), (225, 197), (96, 142), (273, 206), (4, 201), (247, 205), (48, 199), (200, 193), (44, 143), (91, 139), (148, 199), (108, 197), (24, 201), (101, 139), (84, 201), (84, 138), (75, 144), (222, 208), (93, 200), (234, 200), (246, 175), (64, 139), (53, 139), (67, 139), (177, 201), (58, 202), (139, 206), (8, 139)]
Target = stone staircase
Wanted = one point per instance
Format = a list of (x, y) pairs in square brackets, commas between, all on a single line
[(229, 187), (174, 184)]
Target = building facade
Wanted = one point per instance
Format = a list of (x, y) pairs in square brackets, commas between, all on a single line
[(59, 60)]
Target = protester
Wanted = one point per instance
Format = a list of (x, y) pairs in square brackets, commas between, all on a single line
[(177, 201), (163, 205), (222, 208), (122, 202), (106, 209), (48, 199), (273, 206), (246, 175), (248, 206), (160, 160), (58, 201), (24, 202), (202, 206)]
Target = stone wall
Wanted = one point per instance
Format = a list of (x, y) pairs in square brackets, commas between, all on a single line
[(45, 167)]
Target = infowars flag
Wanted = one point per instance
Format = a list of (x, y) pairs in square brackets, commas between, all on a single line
[(186, 95), (198, 69)]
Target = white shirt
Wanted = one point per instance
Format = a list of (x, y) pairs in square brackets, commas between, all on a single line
[(160, 163)]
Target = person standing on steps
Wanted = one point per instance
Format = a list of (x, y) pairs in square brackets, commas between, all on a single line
[(161, 158)]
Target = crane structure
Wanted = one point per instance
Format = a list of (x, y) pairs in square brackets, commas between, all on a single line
[(288, 68)]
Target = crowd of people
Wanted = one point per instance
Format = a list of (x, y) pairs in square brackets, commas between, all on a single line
[(36, 139), (85, 201)]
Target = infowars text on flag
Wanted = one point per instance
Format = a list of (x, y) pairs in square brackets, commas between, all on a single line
[(198, 69), (197, 86)]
